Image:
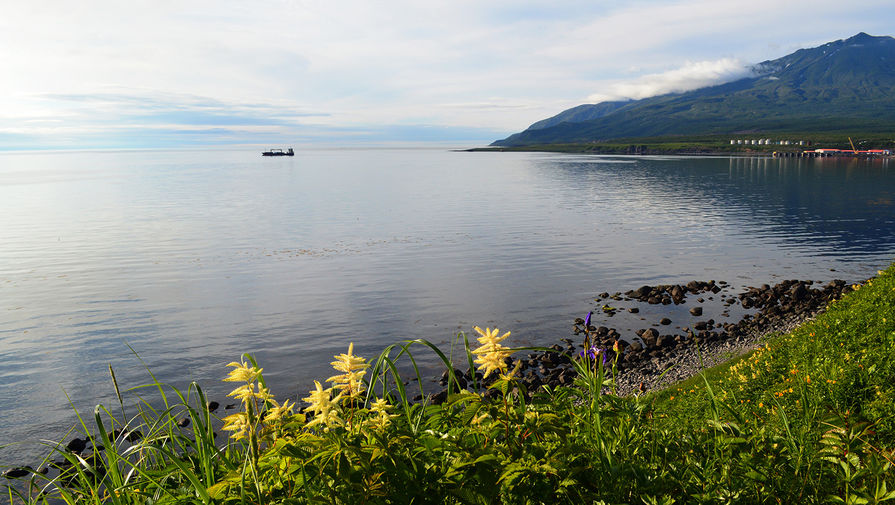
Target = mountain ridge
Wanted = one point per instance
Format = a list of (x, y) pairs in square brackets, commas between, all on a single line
[(848, 83)]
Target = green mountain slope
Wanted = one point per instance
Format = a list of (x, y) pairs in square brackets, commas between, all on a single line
[(846, 85)]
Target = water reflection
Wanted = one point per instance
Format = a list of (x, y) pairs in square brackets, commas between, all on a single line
[(838, 206)]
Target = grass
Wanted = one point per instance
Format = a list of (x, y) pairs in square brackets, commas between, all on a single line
[(805, 419)]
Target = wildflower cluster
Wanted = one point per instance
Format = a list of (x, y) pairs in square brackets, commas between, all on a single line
[(329, 405), (260, 411)]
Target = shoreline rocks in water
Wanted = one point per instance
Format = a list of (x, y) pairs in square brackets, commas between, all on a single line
[(650, 358)]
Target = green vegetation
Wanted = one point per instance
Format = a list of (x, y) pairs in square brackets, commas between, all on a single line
[(715, 144), (804, 419)]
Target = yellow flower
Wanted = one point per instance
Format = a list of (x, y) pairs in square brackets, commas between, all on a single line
[(278, 411), (381, 407), (238, 424), (244, 393), (324, 406), (491, 354), (242, 373), (353, 370)]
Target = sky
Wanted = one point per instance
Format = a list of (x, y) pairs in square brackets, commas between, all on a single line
[(161, 73)]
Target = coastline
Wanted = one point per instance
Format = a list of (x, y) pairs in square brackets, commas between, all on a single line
[(650, 363), (692, 361), (660, 356), (623, 151)]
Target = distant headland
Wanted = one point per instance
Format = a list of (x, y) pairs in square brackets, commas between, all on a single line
[(824, 95)]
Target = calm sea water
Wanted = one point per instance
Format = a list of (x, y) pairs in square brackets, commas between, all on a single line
[(191, 258)]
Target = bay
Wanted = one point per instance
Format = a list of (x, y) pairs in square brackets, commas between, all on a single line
[(179, 261)]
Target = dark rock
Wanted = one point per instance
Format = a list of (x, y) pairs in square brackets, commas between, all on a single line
[(798, 292), (15, 473), (183, 423), (665, 321), (77, 445), (640, 292), (633, 310), (212, 406), (439, 397), (133, 436), (696, 311)]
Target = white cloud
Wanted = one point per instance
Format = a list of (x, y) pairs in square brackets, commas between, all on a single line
[(692, 75)]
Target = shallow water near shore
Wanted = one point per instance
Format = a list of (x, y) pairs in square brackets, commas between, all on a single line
[(194, 257)]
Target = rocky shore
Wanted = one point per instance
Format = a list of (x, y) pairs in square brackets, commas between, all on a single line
[(660, 354)]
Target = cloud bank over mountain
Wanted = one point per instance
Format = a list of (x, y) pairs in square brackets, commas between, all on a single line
[(692, 75)]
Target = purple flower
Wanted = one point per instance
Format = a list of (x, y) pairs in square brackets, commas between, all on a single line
[(587, 320), (593, 353)]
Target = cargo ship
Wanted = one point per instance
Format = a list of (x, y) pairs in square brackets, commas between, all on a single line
[(279, 152)]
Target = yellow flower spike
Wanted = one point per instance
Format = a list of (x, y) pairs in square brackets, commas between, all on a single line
[(324, 405), (263, 394), (490, 356), (242, 373), (237, 424), (489, 336), (278, 411), (243, 393), (353, 369), (382, 408), (380, 405)]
